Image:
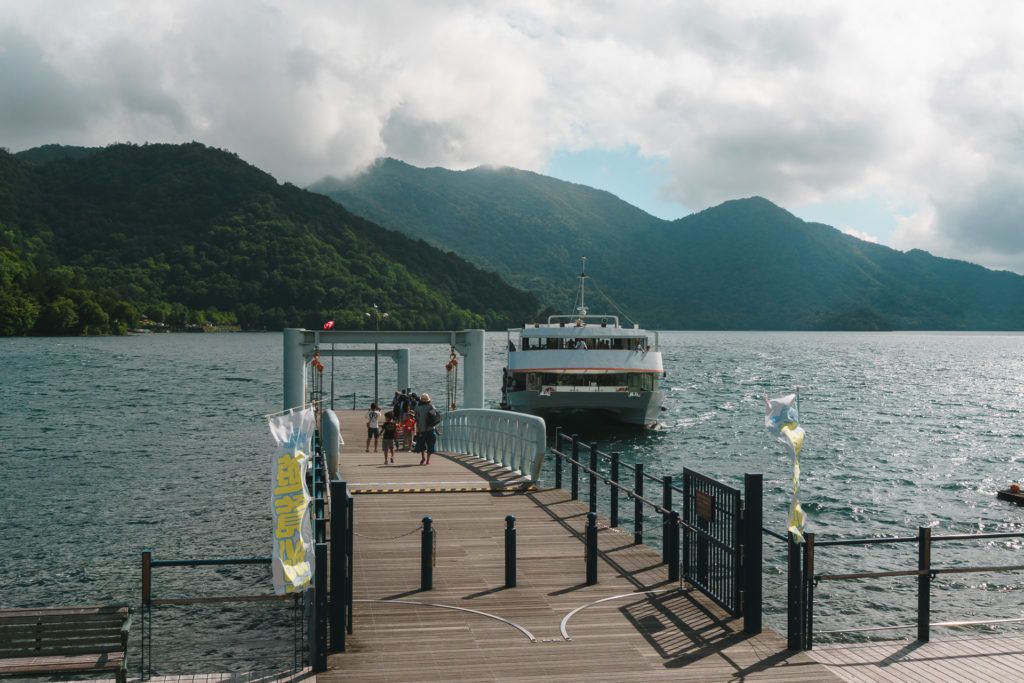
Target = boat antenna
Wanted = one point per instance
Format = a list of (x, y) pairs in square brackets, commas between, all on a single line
[(581, 310)]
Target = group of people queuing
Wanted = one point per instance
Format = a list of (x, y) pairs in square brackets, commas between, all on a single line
[(410, 425)]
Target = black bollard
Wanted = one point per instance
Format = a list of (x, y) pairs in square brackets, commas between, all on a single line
[(427, 555), (591, 548), (510, 551), (672, 539)]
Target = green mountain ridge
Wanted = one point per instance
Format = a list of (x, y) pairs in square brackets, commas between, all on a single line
[(90, 239), (744, 264)]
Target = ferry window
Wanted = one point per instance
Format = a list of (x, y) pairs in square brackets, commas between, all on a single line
[(526, 343), (648, 382)]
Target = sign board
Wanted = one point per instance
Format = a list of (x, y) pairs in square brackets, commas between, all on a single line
[(705, 505), (292, 556)]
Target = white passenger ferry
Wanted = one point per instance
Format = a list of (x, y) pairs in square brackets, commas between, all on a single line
[(584, 363)]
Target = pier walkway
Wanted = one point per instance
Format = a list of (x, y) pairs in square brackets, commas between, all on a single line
[(471, 628)]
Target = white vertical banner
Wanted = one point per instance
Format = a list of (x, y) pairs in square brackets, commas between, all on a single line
[(293, 559)]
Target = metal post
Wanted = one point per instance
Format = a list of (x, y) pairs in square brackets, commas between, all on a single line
[(558, 458), (666, 503), (376, 373), (350, 503), (593, 477), (924, 583), (353, 400), (575, 468), (339, 564), (753, 491), (638, 505), (427, 555), (319, 644), (794, 597), (510, 551), (591, 541), (613, 502), (808, 591), (147, 589), (673, 546)]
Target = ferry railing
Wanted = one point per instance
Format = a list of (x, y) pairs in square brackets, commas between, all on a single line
[(803, 580), (732, 575), (514, 440)]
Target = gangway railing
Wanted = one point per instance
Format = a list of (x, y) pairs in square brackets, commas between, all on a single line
[(514, 440)]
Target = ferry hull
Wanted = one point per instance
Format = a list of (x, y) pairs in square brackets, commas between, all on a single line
[(642, 409)]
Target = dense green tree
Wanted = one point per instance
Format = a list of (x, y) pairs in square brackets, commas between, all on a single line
[(58, 317)]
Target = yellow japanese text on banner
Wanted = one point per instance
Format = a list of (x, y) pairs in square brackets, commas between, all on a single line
[(293, 560)]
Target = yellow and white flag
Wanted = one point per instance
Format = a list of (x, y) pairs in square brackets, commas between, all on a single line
[(293, 558), (782, 419)]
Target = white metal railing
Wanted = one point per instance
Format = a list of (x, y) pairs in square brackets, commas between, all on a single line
[(514, 440)]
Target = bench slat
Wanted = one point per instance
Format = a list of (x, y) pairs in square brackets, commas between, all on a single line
[(33, 630), (112, 660), (64, 619), (46, 612)]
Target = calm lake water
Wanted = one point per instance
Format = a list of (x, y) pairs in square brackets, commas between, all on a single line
[(110, 445)]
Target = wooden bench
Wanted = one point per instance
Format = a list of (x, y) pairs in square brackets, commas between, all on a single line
[(64, 640)]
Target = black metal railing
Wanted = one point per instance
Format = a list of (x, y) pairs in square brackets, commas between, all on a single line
[(803, 580), (720, 549)]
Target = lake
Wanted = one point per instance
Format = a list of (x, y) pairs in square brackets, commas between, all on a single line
[(110, 445)]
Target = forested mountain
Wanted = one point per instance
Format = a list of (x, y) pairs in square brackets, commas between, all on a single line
[(745, 264), (91, 239)]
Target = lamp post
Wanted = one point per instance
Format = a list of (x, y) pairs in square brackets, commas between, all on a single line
[(377, 316)]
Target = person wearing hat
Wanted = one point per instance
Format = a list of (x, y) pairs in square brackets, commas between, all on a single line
[(427, 418)]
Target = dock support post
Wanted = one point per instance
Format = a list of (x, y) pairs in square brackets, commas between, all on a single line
[(339, 564), (558, 458), (427, 555), (510, 551), (672, 540), (795, 596), (638, 505), (924, 583), (350, 533), (147, 594), (319, 644), (593, 477), (473, 373), (294, 369), (666, 503), (402, 361), (575, 468), (753, 492), (613, 502), (591, 541), (809, 591)]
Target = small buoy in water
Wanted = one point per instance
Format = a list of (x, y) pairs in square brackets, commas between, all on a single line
[(1015, 488)]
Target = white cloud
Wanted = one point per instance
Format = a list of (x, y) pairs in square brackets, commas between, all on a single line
[(918, 102), (853, 232)]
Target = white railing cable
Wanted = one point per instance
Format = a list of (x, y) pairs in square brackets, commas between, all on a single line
[(513, 440)]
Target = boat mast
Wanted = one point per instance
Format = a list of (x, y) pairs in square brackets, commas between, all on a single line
[(581, 310)]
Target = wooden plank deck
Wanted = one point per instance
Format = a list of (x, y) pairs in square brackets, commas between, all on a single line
[(945, 658), (672, 634)]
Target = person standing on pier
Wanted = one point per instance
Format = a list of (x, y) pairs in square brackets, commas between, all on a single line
[(427, 418), (388, 433), (372, 426)]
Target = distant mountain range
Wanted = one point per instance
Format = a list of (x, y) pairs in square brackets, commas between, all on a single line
[(92, 239), (745, 264)]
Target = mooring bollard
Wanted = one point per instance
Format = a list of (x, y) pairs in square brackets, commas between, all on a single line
[(427, 555), (638, 505), (593, 477), (575, 491), (558, 458), (591, 548), (666, 503), (510, 551)]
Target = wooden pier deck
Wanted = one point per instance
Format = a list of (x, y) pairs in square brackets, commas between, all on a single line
[(671, 633)]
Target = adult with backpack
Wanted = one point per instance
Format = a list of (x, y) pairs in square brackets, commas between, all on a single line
[(427, 419)]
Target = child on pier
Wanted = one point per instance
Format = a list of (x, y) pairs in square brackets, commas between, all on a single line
[(410, 429), (388, 433), (372, 428)]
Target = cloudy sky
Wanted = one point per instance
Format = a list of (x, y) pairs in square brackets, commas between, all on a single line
[(900, 122)]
